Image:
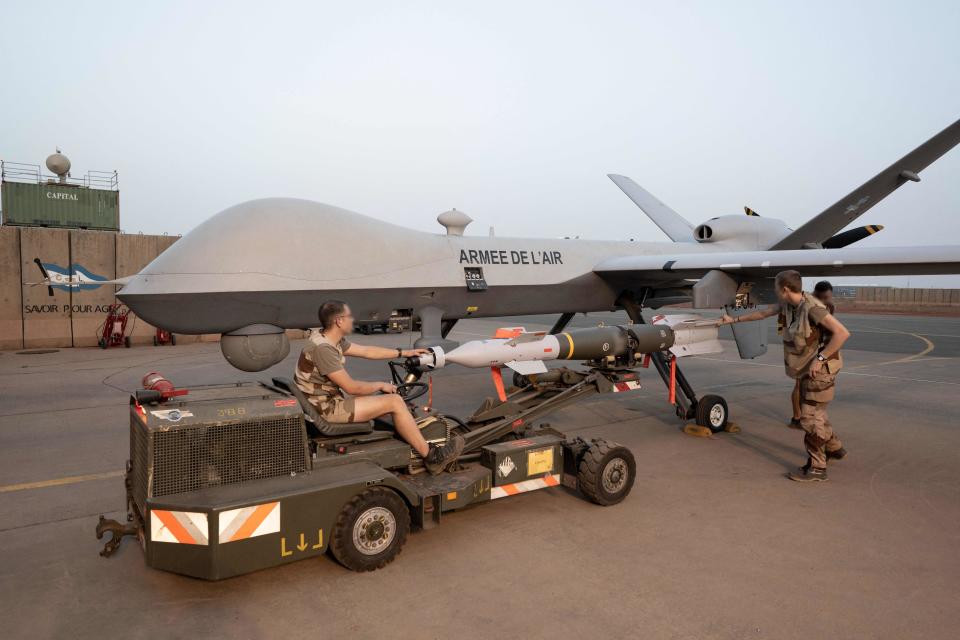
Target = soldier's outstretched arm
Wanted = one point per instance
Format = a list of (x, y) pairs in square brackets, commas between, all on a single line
[(371, 352), (759, 314)]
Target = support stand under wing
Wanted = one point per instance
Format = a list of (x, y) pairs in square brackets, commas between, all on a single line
[(709, 411)]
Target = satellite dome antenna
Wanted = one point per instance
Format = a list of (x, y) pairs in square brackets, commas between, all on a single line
[(59, 164), (454, 221)]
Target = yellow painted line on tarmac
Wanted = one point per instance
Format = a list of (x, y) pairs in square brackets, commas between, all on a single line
[(56, 482), (844, 372), (916, 356)]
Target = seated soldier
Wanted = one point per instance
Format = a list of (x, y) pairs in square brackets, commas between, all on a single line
[(322, 378)]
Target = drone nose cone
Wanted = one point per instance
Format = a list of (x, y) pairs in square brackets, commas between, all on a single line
[(296, 241), (244, 264)]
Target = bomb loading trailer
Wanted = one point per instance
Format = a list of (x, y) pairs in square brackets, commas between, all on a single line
[(234, 478)]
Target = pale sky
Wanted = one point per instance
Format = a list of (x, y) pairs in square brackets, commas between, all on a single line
[(513, 112)]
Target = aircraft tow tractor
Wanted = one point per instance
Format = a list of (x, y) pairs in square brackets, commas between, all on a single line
[(227, 479)]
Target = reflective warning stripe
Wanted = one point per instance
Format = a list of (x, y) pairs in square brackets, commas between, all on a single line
[(551, 480), (248, 522), (181, 527), (629, 385)]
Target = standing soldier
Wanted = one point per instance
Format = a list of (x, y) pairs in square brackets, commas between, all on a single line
[(812, 358), (822, 291)]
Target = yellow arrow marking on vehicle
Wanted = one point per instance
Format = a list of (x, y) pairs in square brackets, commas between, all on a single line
[(303, 543)]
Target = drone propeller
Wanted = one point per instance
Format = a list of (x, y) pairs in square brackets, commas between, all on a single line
[(850, 236), (46, 276)]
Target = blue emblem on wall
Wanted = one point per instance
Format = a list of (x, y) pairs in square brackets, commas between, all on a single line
[(77, 277)]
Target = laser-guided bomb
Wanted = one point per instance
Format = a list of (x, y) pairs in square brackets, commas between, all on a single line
[(526, 352)]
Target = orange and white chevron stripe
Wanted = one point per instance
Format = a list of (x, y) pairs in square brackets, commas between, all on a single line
[(248, 522), (628, 385), (548, 480), (179, 527)]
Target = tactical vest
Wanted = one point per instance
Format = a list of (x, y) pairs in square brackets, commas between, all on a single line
[(799, 352)]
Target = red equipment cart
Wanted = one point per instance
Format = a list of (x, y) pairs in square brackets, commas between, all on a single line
[(163, 337), (113, 331)]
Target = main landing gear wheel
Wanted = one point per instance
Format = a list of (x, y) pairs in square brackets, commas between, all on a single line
[(606, 473), (370, 530), (712, 413)]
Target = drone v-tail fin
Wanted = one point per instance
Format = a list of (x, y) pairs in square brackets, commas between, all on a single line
[(670, 222)]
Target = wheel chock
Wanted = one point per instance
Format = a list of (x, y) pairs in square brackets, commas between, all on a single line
[(732, 427), (695, 430)]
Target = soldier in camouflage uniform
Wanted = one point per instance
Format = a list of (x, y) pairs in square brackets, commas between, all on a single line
[(823, 291), (322, 378), (812, 338)]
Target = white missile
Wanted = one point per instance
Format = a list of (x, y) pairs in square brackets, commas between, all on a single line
[(526, 352)]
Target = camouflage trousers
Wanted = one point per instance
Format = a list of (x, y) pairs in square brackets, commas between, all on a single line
[(818, 432)]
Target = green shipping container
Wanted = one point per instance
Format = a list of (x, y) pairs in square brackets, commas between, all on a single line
[(55, 205)]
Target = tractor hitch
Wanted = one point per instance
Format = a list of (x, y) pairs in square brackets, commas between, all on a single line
[(117, 531)]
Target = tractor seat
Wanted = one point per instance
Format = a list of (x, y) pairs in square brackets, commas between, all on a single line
[(313, 416)]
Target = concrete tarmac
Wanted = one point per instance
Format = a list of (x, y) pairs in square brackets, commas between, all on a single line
[(713, 542)]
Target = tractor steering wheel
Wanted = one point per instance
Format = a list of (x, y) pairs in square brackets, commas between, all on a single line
[(410, 391)]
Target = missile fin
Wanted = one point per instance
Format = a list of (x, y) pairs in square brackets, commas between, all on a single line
[(526, 337), (697, 348), (527, 367)]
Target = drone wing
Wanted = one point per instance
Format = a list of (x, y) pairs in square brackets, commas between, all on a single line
[(850, 261), (857, 202)]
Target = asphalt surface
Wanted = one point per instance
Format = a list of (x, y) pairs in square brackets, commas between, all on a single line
[(713, 542)]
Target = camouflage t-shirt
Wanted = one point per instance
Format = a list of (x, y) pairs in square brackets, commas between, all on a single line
[(317, 361)]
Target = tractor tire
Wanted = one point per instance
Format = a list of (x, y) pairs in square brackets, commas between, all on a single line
[(712, 413), (155, 341), (102, 343), (606, 473), (370, 530), (126, 341), (173, 340)]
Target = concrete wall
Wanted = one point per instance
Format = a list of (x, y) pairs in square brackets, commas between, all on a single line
[(46, 318), (908, 298), (11, 308), (72, 317), (31, 318), (97, 253), (134, 252)]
